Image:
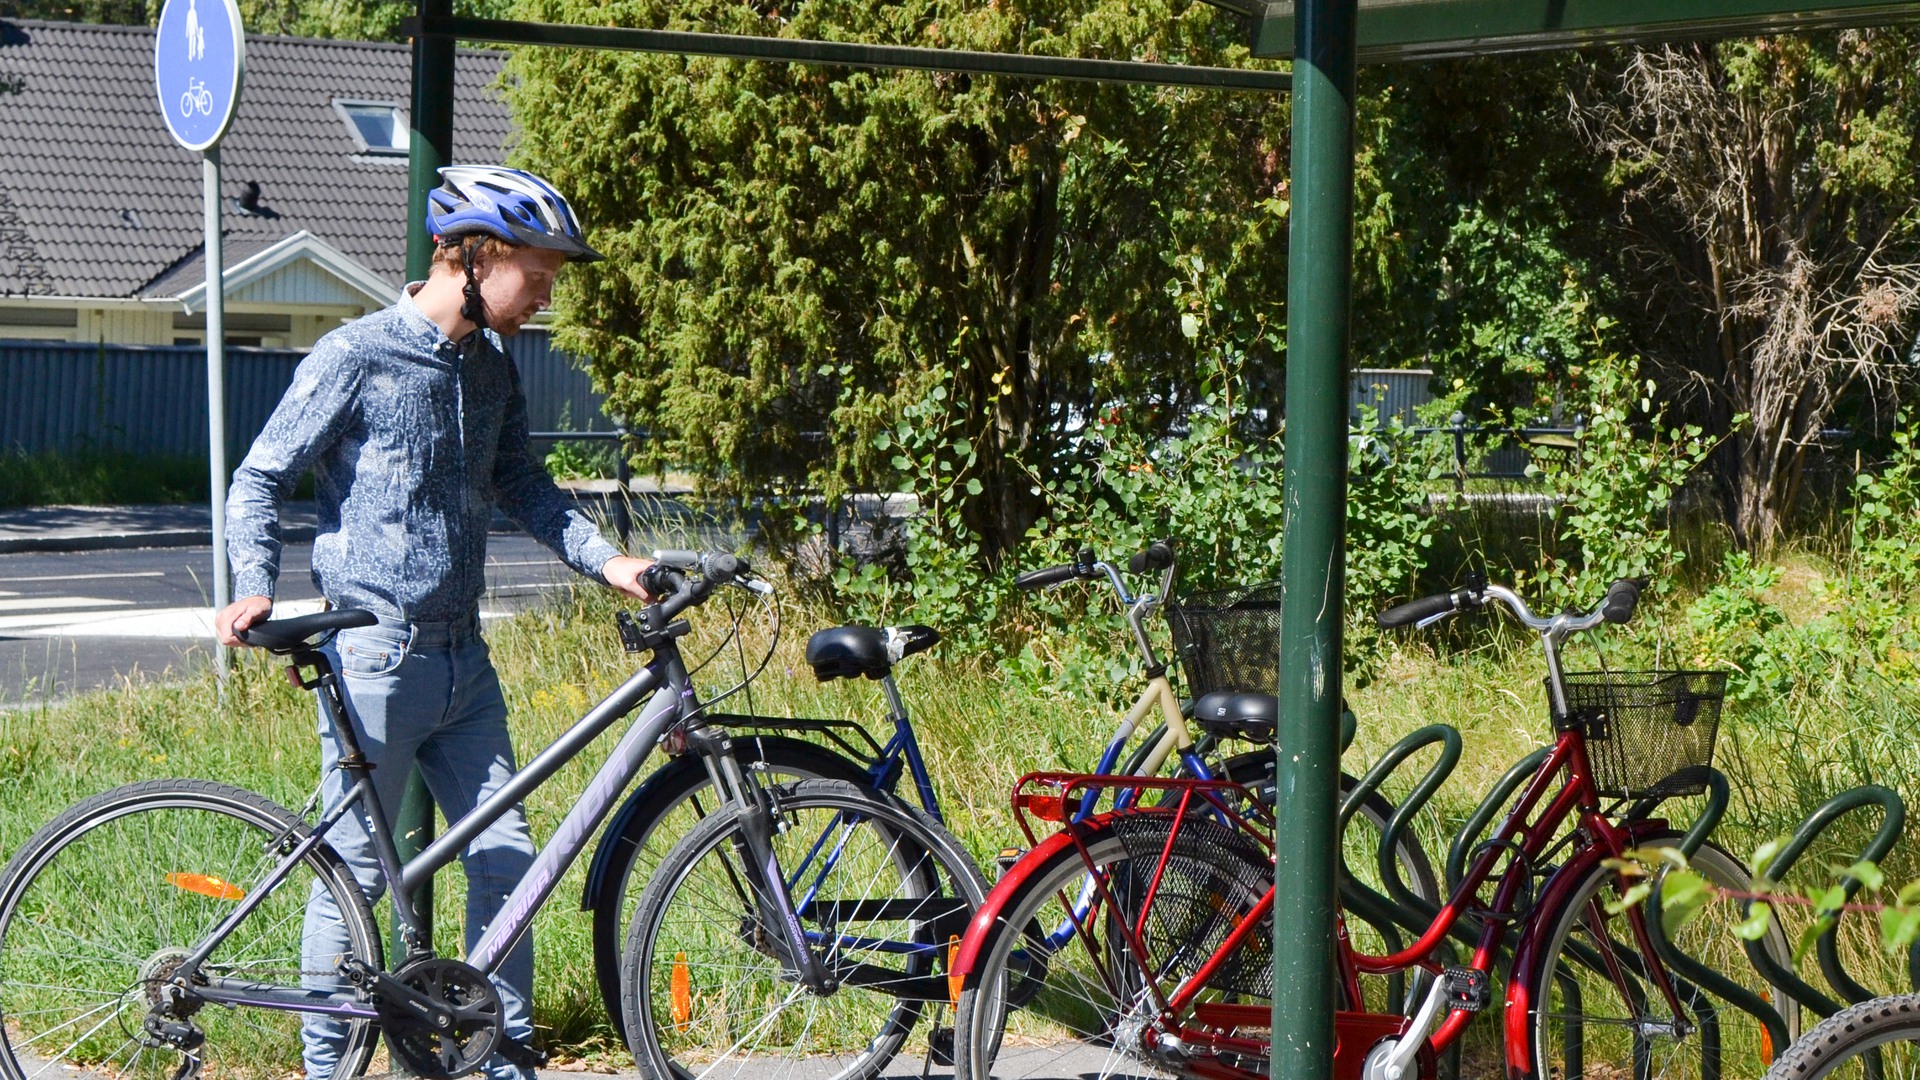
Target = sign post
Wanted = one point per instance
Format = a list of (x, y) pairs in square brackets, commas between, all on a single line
[(199, 62)]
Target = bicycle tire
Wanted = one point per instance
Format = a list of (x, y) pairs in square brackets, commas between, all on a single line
[(701, 972), (1603, 1029), (118, 886), (1878, 1038), (1079, 1021), (660, 801)]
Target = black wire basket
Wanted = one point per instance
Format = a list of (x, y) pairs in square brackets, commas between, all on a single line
[(1649, 734), (1228, 639)]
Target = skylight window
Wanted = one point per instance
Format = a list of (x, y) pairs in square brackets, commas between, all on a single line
[(377, 127)]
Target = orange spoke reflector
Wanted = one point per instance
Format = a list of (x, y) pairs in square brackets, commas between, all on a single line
[(206, 885), (1766, 1036), (682, 985), (955, 983)]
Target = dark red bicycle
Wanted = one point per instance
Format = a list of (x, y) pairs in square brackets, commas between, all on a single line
[(1169, 972)]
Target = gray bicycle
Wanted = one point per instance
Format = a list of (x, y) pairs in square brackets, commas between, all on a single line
[(158, 929)]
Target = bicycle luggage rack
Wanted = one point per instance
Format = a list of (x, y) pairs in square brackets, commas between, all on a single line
[(1056, 798)]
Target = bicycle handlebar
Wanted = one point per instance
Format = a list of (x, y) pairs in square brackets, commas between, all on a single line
[(668, 578), (1420, 610), (1157, 556), (1051, 575), (1617, 606)]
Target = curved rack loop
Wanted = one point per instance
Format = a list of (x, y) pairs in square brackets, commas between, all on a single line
[(1893, 819), (1403, 813), (1703, 976)]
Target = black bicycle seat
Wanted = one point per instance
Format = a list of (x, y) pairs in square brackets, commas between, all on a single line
[(846, 652), (1229, 714), (285, 636)]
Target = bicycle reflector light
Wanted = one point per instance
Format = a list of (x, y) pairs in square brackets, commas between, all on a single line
[(682, 986), (1047, 806), (206, 885)]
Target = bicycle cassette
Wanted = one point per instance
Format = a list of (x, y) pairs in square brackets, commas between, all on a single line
[(451, 1025)]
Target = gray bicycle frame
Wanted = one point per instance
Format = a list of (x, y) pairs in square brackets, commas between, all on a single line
[(664, 678)]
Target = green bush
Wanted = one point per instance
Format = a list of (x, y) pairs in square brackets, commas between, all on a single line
[(93, 476)]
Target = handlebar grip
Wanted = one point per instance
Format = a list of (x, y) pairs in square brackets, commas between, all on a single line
[(1415, 610), (661, 579), (1158, 556), (723, 567), (1052, 575), (1622, 597)]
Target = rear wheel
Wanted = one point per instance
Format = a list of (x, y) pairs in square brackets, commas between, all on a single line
[(99, 908), (1596, 1013)]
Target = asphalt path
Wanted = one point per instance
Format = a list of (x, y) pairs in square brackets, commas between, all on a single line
[(76, 621)]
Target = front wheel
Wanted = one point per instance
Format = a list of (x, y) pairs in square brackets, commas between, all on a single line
[(664, 808), (882, 892), (1597, 1013), (1874, 1040), (98, 909)]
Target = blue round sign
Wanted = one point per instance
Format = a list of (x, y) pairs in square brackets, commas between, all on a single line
[(199, 59)]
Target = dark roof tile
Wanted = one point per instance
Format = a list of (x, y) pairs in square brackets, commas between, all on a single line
[(85, 143)]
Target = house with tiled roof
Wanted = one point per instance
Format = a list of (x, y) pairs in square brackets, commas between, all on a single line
[(101, 222)]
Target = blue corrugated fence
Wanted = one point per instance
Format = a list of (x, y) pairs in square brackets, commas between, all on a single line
[(63, 397)]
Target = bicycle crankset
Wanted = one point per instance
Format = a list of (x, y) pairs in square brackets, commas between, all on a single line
[(448, 1024)]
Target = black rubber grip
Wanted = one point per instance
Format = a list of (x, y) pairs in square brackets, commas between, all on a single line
[(1052, 575), (661, 579), (1415, 610), (1622, 597), (723, 566), (1158, 556)]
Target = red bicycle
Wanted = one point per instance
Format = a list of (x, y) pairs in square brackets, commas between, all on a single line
[(1168, 968)]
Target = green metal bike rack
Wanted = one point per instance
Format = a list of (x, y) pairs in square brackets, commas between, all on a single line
[(1892, 821), (1689, 967), (1443, 765)]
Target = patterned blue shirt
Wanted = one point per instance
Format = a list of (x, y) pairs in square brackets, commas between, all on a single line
[(412, 439)]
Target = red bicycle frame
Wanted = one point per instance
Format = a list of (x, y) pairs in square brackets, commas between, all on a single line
[(1217, 1027)]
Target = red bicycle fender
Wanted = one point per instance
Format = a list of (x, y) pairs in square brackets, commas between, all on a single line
[(1003, 892), (1553, 899)]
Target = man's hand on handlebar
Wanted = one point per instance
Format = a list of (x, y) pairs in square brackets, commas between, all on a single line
[(238, 616), (624, 572)]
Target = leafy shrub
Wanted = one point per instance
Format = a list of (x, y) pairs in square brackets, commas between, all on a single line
[(1617, 487)]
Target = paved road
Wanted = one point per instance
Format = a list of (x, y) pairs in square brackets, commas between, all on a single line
[(76, 621)]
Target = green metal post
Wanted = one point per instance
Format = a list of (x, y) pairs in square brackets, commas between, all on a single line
[(432, 122), (431, 146), (1320, 258)]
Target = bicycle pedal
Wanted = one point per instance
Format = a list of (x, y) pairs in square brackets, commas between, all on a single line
[(1006, 859), (1467, 988), (521, 1054)]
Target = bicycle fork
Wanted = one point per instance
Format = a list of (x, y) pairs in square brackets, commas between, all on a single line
[(765, 887)]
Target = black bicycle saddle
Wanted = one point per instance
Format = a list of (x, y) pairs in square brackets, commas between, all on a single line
[(284, 636), (1230, 714), (846, 652)]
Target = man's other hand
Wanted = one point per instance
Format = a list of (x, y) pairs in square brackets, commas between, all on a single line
[(623, 573), (239, 615)]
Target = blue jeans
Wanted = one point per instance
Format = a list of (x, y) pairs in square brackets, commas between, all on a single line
[(425, 697)]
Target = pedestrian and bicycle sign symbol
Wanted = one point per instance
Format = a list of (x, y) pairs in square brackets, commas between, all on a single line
[(199, 61)]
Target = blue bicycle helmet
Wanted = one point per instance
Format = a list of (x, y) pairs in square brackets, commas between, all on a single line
[(514, 206)]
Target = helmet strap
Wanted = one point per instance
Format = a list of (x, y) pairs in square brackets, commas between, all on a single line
[(473, 308)]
